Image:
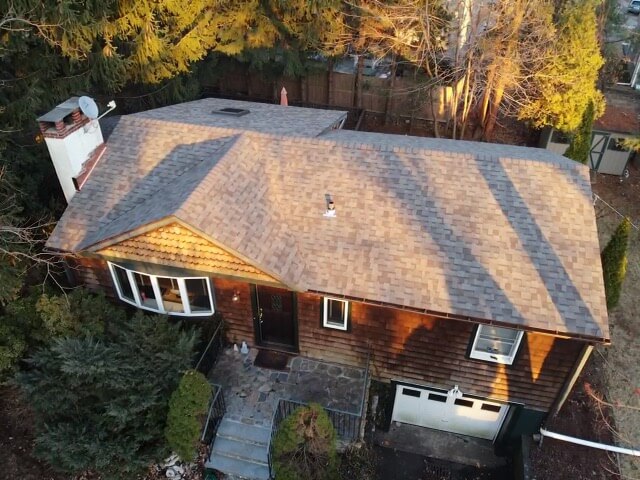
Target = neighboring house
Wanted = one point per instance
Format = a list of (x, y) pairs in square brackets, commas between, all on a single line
[(466, 269), (619, 121)]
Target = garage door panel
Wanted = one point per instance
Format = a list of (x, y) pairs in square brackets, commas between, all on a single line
[(451, 412), (408, 405)]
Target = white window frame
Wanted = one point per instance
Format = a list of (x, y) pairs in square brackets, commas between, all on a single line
[(325, 314), (494, 357), (158, 294)]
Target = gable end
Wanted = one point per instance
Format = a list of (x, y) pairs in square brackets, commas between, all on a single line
[(176, 246)]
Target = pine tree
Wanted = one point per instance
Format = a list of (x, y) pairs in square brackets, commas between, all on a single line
[(580, 144), (614, 263), (102, 402)]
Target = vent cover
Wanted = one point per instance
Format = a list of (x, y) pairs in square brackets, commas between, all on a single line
[(234, 112)]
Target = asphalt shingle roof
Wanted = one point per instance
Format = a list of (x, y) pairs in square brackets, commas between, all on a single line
[(493, 232)]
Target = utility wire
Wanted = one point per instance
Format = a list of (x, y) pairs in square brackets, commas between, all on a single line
[(597, 197)]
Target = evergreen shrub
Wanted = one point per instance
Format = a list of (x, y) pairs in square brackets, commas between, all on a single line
[(614, 263), (305, 446), (187, 409)]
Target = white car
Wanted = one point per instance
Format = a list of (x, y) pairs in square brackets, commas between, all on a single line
[(634, 7)]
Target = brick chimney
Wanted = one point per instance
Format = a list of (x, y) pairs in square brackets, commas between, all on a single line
[(75, 144)]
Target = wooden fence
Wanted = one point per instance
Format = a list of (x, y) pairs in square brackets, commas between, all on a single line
[(409, 98)]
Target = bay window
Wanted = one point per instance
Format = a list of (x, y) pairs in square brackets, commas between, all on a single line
[(187, 296)]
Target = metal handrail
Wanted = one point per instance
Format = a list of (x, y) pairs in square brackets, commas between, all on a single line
[(217, 400), (216, 335)]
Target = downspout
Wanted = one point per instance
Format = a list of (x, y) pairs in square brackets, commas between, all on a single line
[(571, 381), (587, 443)]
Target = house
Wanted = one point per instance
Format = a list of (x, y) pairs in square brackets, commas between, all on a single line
[(465, 270), (619, 121)]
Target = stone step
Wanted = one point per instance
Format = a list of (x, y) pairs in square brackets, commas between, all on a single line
[(247, 433), (239, 468), (248, 452)]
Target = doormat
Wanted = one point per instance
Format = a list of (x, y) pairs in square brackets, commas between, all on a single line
[(271, 359)]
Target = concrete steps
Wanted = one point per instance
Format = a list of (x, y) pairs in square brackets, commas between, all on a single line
[(241, 450)]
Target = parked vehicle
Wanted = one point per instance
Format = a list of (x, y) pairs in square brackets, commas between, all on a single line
[(634, 7)]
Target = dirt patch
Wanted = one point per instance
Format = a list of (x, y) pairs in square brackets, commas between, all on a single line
[(621, 365), (16, 440), (580, 417)]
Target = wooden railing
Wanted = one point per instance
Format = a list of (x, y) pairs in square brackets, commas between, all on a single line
[(217, 409)]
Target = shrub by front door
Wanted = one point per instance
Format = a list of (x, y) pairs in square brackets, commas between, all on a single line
[(274, 318)]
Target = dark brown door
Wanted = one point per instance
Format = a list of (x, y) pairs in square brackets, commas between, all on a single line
[(275, 318)]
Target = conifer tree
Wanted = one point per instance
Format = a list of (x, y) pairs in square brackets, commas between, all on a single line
[(101, 402), (614, 263), (580, 144)]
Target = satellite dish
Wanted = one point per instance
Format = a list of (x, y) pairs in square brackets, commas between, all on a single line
[(88, 107)]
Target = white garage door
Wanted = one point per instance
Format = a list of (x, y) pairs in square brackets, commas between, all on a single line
[(449, 411)]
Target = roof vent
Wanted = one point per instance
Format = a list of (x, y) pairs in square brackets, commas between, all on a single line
[(331, 207), (234, 112)]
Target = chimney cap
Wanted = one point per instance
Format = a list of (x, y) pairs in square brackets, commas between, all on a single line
[(61, 111)]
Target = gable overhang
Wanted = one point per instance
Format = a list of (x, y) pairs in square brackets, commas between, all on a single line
[(469, 318), (152, 226)]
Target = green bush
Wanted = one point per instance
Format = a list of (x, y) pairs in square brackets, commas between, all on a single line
[(101, 401), (614, 263), (187, 408), (305, 446), (34, 320)]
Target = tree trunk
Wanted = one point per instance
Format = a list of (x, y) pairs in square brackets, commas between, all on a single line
[(492, 114), (303, 90), (467, 101), (357, 90), (330, 81), (392, 84)]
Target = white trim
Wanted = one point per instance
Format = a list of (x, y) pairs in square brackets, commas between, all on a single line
[(492, 356), (157, 292), (345, 314)]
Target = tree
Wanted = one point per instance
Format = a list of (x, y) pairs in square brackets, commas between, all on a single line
[(514, 46), (187, 409), (101, 401), (566, 84), (305, 446), (580, 144), (614, 263)]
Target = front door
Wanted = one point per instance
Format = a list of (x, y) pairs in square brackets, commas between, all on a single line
[(275, 321)]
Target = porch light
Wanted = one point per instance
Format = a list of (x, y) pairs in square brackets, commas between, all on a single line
[(236, 296)]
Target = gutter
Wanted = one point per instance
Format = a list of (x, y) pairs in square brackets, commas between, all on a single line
[(571, 381), (587, 443)]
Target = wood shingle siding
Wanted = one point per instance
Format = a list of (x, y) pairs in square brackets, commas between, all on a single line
[(176, 246), (238, 316), (91, 272), (429, 351), (405, 346)]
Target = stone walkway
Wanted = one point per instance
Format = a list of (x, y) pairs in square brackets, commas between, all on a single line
[(251, 393)]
